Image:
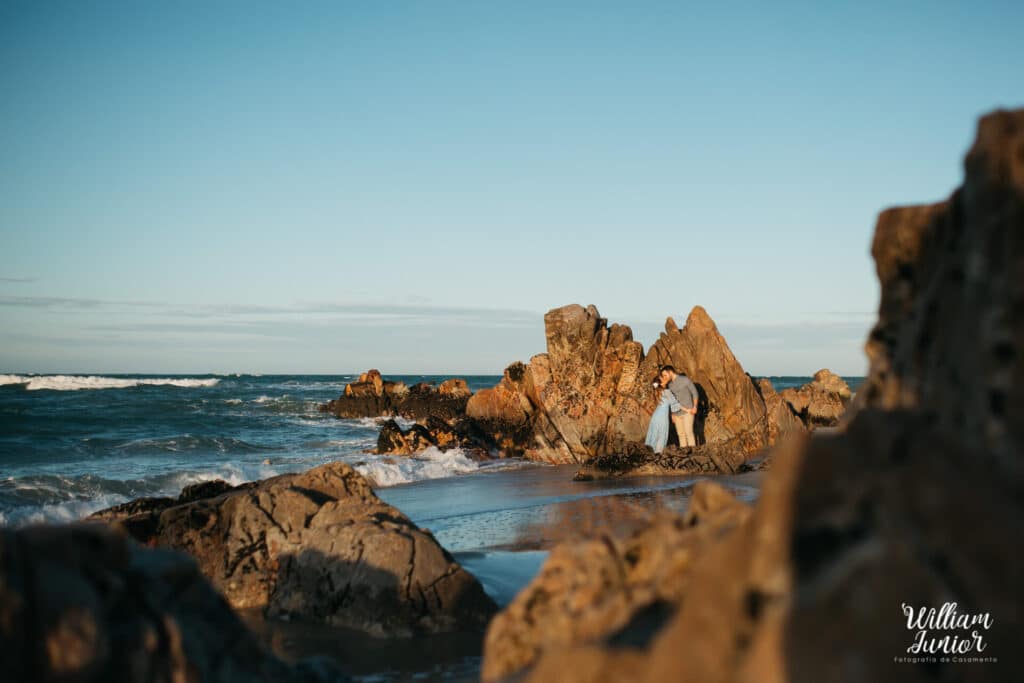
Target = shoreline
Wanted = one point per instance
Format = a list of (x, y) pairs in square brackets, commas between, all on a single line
[(500, 526)]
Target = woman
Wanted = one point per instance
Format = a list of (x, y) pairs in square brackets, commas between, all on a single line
[(657, 431)]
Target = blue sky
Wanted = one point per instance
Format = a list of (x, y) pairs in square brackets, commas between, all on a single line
[(238, 186)]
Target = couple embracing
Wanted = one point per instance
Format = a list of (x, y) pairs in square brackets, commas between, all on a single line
[(678, 402)]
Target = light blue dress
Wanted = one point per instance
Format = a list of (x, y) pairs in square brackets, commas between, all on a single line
[(657, 431)]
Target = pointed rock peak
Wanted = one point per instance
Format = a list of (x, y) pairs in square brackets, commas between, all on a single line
[(700, 321), (670, 325)]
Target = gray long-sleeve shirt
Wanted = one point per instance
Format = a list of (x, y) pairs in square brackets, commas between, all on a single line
[(684, 390)]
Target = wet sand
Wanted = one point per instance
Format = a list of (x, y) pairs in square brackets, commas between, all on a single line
[(499, 525)]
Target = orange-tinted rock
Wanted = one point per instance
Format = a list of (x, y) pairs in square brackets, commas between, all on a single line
[(370, 383), (821, 402), (730, 403), (505, 402), (585, 386), (373, 396), (434, 432), (456, 388)]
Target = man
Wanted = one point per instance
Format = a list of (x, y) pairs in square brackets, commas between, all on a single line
[(686, 393)]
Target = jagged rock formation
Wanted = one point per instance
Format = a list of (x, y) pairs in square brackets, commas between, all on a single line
[(821, 402), (321, 546), (730, 406), (82, 603), (590, 395), (587, 400), (782, 421), (914, 503), (372, 396)]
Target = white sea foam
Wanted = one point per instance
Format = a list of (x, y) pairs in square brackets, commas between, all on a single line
[(376, 422), (431, 463), (66, 511), (233, 401), (78, 382)]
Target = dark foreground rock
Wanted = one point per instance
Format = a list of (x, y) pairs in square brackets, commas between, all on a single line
[(608, 589), (912, 505), (83, 603), (319, 545), (372, 396)]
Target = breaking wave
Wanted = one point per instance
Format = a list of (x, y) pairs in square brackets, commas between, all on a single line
[(431, 463), (80, 382), (49, 498)]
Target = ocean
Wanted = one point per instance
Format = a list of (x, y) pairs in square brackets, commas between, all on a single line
[(74, 444)]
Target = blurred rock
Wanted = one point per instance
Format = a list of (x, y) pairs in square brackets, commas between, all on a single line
[(608, 589), (82, 603), (821, 402)]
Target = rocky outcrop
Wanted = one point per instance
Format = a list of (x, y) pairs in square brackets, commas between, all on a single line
[(609, 589), (505, 412), (590, 396), (320, 546), (82, 603), (435, 433), (454, 388), (372, 396), (722, 457), (782, 421), (730, 405), (587, 400), (586, 389), (821, 402), (913, 504)]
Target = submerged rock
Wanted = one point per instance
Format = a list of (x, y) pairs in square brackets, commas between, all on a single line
[(911, 505), (321, 546), (82, 603), (435, 433)]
